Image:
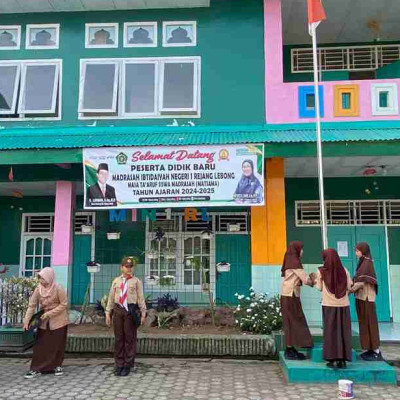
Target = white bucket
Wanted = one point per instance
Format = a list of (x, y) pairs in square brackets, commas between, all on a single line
[(345, 389)]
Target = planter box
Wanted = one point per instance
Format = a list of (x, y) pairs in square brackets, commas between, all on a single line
[(87, 229), (113, 235), (15, 339), (93, 269)]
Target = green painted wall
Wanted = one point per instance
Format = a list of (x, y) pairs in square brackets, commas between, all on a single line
[(230, 38), (11, 223), (390, 71), (337, 189)]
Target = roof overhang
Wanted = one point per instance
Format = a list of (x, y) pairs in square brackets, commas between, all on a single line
[(32, 6)]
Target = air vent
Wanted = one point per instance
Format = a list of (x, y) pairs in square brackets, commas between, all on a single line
[(167, 225), (349, 58), (39, 223), (349, 212), (235, 222)]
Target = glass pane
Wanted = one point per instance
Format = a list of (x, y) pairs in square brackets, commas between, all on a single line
[(46, 261), (346, 101), (47, 247), (38, 262), (39, 87), (178, 85), (155, 245), (38, 246), (205, 262), (188, 278), (310, 101), (383, 99), (7, 86), (197, 246), (140, 88), (188, 246), (163, 244), (98, 88), (29, 263), (29, 247), (206, 246), (172, 244), (28, 274), (196, 278)]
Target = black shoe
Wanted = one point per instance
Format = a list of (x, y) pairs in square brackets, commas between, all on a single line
[(300, 356), (126, 371), (330, 364), (341, 364), (290, 354), (372, 356), (118, 371), (366, 355)]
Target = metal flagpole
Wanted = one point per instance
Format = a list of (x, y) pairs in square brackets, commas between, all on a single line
[(319, 141)]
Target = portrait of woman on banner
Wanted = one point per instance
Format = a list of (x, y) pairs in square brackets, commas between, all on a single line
[(249, 189)]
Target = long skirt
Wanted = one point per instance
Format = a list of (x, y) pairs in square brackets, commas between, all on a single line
[(49, 349), (125, 337), (337, 333), (368, 323), (295, 325)]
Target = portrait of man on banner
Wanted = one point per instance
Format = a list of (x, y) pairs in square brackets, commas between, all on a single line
[(100, 194)]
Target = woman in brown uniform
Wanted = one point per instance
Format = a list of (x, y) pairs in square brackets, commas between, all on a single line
[(365, 289), (49, 349), (335, 283), (126, 290), (294, 322)]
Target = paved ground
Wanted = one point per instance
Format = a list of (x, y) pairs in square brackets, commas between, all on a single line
[(170, 379)]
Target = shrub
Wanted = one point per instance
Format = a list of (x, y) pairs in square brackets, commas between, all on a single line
[(15, 293), (167, 303), (258, 313)]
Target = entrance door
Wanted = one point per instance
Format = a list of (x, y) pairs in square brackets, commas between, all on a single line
[(80, 276), (234, 249), (375, 237)]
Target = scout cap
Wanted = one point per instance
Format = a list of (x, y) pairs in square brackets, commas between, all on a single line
[(128, 262)]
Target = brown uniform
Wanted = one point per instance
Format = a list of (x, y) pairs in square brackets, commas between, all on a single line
[(125, 330)]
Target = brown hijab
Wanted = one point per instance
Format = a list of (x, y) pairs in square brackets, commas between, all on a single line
[(333, 273), (365, 271), (292, 257)]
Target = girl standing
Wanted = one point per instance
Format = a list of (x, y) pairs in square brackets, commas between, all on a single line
[(335, 283), (365, 289), (295, 325), (49, 349)]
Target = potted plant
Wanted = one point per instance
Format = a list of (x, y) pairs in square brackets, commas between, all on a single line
[(169, 254), (15, 293), (207, 234), (223, 267), (113, 235), (152, 254), (152, 280), (87, 228), (93, 267), (167, 280)]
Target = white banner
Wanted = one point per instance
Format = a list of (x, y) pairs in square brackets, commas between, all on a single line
[(161, 177)]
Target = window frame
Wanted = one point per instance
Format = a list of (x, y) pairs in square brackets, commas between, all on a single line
[(22, 116), (114, 25), (124, 113), (196, 85), (21, 107), (101, 61), (150, 23), (354, 110), (16, 82), (29, 27), (303, 110), (393, 100), (168, 114), (18, 28), (164, 34)]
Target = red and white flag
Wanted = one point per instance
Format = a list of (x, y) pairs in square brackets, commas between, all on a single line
[(316, 14)]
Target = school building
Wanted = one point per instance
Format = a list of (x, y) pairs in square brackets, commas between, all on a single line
[(156, 74)]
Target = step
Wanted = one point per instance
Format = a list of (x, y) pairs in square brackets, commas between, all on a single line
[(358, 371), (315, 354)]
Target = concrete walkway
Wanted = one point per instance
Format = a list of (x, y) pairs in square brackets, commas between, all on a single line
[(170, 379)]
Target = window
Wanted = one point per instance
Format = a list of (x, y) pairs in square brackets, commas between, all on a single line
[(140, 34), (10, 37), (163, 265), (101, 36), (140, 87), (346, 101), (307, 101), (179, 34), (30, 89), (384, 99), (196, 261), (42, 37)]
